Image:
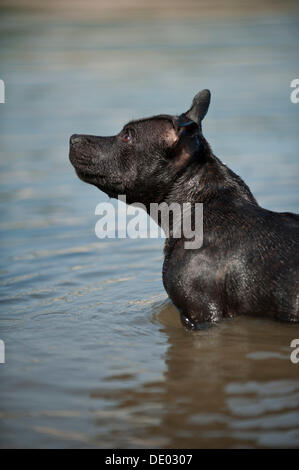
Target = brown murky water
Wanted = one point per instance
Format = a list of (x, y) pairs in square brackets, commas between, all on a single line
[(95, 353)]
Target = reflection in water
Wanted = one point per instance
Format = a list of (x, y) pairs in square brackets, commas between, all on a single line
[(210, 394)]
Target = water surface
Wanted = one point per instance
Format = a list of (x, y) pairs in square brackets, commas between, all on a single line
[(95, 353)]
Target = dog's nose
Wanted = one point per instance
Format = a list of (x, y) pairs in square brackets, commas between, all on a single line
[(75, 138)]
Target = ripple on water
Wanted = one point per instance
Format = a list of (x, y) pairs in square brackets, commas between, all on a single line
[(95, 353)]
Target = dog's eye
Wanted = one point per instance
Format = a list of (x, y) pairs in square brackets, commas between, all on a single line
[(126, 138)]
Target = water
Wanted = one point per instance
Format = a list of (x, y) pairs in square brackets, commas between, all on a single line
[(95, 353)]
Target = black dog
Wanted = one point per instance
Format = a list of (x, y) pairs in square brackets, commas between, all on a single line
[(248, 262)]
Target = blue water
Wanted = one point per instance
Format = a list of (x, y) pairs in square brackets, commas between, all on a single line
[(95, 353)]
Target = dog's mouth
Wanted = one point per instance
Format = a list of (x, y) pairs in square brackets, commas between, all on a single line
[(88, 172), (83, 165), (89, 176)]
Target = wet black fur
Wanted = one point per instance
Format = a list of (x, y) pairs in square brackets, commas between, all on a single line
[(248, 263)]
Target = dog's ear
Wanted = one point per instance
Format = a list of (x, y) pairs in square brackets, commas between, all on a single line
[(200, 106), (185, 141)]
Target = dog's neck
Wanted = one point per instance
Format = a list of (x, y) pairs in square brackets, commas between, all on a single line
[(214, 185), (209, 182)]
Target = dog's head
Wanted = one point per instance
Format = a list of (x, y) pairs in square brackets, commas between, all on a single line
[(146, 157)]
